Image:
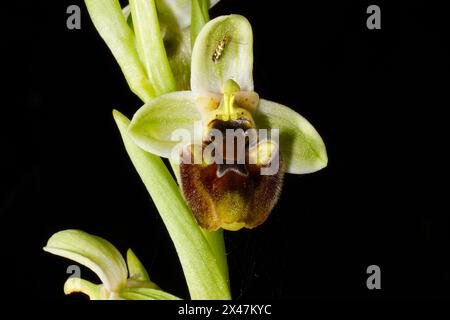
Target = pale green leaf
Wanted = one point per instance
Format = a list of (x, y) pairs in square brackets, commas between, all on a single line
[(205, 279), (301, 146), (150, 46), (213, 66), (112, 26), (154, 126), (93, 252)]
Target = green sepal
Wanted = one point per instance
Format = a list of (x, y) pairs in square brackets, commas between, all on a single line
[(301, 146), (213, 66), (154, 126), (93, 252)]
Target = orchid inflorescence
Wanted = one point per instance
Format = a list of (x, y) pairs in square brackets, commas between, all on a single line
[(229, 148)]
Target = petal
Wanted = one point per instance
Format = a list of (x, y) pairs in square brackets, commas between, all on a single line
[(127, 13), (230, 196), (94, 291), (154, 126), (302, 148), (263, 153), (146, 294), (248, 100), (138, 276), (135, 267), (223, 50), (93, 252)]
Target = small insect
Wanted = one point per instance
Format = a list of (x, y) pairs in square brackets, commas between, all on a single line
[(219, 50)]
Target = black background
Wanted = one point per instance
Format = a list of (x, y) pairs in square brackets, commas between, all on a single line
[(377, 97)]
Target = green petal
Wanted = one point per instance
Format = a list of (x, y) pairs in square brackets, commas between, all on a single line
[(153, 124), (205, 276), (209, 70), (302, 148), (94, 291), (138, 276), (112, 26), (135, 268), (150, 46), (146, 294), (93, 252)]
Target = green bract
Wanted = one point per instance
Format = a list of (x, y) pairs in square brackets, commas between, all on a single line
[(110, 22), (150, 46), (152, 126)]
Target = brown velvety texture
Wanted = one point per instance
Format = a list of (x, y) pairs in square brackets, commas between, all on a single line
[(230, 196)]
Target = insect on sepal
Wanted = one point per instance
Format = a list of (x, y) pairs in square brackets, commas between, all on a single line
[(217, 54)]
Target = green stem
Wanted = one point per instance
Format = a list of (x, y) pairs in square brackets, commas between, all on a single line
[(215, 239), (202, 266), (217, 244)]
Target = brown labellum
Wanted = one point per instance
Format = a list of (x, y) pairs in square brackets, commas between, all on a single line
[(231, 196)]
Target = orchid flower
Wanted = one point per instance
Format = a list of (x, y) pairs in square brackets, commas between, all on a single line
[(222, 97), (118, 281)]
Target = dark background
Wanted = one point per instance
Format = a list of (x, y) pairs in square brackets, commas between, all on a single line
[(377, 97)]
